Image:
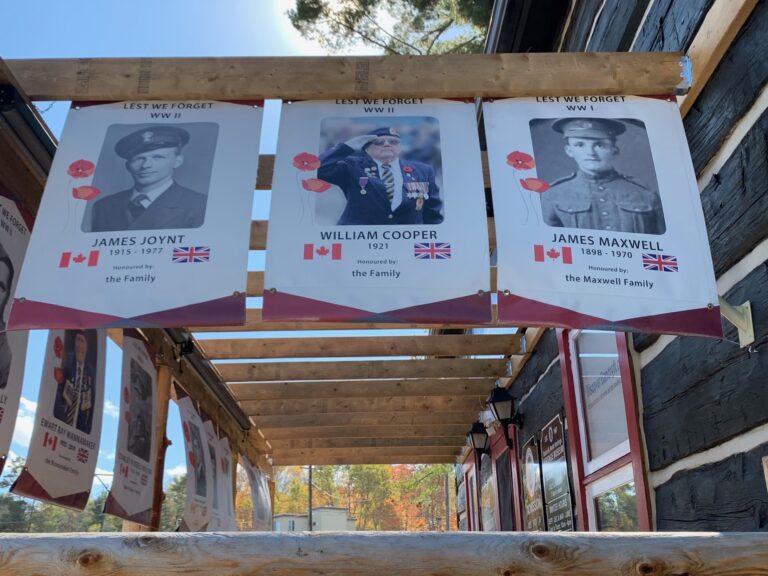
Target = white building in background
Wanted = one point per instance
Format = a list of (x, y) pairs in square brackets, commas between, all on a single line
[(324, 519)]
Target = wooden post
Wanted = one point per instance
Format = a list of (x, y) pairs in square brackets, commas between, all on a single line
[(161, 441)]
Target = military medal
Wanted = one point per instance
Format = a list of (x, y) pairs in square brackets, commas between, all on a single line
[(419, 203), (362, 181)]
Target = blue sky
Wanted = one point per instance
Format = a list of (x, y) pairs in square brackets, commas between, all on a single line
[(142, 28)]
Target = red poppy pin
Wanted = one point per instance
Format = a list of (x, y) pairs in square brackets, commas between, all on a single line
[(81, 169), (306, 162), (407, 169), (520, 160)]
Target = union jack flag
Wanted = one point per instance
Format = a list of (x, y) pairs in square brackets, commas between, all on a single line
[(82, 455), (187, 254), (432, 251), (660, 262)]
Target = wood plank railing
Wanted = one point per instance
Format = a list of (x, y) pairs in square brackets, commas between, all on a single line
[(385, 554)]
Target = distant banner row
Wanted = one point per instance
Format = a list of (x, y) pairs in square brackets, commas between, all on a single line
[(378, 214)]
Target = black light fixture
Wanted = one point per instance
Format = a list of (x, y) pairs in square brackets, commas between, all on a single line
[(502, 404), (478, 437)]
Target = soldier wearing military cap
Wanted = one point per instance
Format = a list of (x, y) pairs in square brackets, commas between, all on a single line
[(380, 186), (156, 201), (596, 196)]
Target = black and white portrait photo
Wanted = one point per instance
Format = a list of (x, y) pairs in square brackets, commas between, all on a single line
[(214, 477), (152, 177), (197, 459), (76, 401), (139, 439), (600, 172), (389, 171), (6, 284)]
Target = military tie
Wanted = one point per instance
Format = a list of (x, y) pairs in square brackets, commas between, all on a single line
[(389, 180), (136, 208), (72, 408)]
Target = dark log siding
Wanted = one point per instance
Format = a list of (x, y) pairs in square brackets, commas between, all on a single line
[(728, 496), (731, 91), (616, 25), (700, 392), (581, 25), (546, 350), (543, 404), (671, 25), (736, 200)]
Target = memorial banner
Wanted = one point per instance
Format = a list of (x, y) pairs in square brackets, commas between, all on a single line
[(15, 227), (557, 489), (197, 509), (65, 439), (130, 497), (532, 497), (214, 492), (226, 516), (378, 214), (260, 496), (598, 217), (143, 199)]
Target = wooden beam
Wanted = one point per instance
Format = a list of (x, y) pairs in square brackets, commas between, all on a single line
[(311, 78), (347, 347), (427, 430), (254, 323), (161, 442), (362, 459), (269, 423), (296, 407), (715, 35), (386, 553), (256, 283), (363, 443), (319, 389), (361, 370), (259, 234), (384, 451)]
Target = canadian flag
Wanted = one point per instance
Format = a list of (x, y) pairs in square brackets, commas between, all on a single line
[(310, 251), (565, 253), (124, 470), (67, 258), (50, 440)]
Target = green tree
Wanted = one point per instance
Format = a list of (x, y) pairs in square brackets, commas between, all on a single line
[(395, 26), (173, 504)]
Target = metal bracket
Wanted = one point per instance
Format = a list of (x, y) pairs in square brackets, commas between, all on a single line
[(741, 317)]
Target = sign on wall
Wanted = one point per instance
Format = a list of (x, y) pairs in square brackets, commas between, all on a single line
[(197, 509), (378, 214), (598, 216), (557, 490), (533, 502), (130, 497), (15, 227), (143, 198), (65, 439)]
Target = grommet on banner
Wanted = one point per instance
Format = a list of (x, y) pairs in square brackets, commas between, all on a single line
[(741, 317), (480, 292), (507, 292), (273, 290)]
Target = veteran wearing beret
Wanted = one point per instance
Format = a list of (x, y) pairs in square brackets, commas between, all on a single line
[(596, 196), (380, 186), (156, 201)]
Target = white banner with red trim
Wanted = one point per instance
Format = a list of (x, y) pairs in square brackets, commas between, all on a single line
[(197, 509), (260, 496)]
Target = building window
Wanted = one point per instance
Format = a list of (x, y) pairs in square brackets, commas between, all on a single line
[(487, 494), (291, 525)]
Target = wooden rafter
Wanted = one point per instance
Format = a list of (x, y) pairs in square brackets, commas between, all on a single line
[(375, 404), (367, 443), (364, 459), (416, 418), (416, 431)]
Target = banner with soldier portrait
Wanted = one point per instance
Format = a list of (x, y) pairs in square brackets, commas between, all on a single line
[(65, 439), (197, 509), (144, 198), (598, 217), (260, 496), (15, 228), (378, 214), (214, 492), (225, 520), (131, 494)]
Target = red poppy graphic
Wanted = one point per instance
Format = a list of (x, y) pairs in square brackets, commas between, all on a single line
[(315, 185), (407, 169), (81, 169), (58, 347), (534, 185), (126, 394), (192, 459), (128, 417), (186, 431), (58, 375), (520, 160), (306, 162), (85, 192)]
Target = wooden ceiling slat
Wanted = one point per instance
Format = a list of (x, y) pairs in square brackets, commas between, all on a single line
[(372, 404), (438, 345), (311, 78), (254, 323), (353, 459), (427, 430), (362, 370), (350, 419), (388, 451), (347, 443), (361, 388)]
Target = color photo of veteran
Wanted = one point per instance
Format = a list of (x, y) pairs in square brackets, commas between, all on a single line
[(197, 459), (160, 176), (75, 400), (388, 173), (6, 283), (139, 436), (605, 178)]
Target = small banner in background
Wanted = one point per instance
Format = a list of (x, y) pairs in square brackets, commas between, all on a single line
[(262, 501), (197, 510)]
